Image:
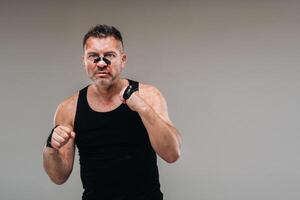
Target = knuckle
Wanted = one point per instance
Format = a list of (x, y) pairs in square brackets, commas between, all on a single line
[(55, 144), (54, 134), (65, 136)]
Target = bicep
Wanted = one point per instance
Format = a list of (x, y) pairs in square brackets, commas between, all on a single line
[(65, 112), (58, 116), (64, 116), (159, 105)]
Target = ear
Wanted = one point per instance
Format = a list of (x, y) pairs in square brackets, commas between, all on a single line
[(124, 60), (83, 62)]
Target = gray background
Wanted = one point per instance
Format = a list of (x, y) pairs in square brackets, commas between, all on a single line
[(228, 69)]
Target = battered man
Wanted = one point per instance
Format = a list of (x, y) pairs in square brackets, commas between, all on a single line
[(118, 126)]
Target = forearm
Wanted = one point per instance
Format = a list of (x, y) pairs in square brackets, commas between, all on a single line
[(56, 165), (164, 137)]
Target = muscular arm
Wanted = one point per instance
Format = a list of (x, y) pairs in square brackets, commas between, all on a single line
[(152, 108), (58, 161)]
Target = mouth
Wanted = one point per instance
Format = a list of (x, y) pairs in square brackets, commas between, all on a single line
[(102, 73)]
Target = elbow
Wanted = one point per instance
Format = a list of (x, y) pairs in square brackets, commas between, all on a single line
[(173, 157), (175, 153), (59, 180)]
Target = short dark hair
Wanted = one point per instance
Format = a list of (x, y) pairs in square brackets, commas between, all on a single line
[(103, 31)]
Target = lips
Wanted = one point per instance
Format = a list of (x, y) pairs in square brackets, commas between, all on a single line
[(102, 73)]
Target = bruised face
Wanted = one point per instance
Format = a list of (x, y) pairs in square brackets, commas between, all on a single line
[(107, 70)]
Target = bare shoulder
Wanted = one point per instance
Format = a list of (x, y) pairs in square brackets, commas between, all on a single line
[(66, 110), (155, 99), (150, 92)]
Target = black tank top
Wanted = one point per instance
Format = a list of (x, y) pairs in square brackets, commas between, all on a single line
[(117, 161)]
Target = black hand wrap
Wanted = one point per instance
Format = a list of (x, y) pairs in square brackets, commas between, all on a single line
[(128, 91), (48, 144)]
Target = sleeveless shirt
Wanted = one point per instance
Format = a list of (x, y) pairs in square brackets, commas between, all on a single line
[(117, 161)]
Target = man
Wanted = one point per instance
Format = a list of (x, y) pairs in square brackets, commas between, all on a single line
[(118, 126)]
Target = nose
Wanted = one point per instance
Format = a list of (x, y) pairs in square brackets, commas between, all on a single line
[(101, 64), (102, 59)]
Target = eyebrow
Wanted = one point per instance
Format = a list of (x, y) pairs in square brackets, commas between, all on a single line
[(113, 52), (92, 52)]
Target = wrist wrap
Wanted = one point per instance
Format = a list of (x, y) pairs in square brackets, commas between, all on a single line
[(128, 91), (48, 144)]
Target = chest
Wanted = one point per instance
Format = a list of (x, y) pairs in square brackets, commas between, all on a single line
[(117, 128), (103, 106)]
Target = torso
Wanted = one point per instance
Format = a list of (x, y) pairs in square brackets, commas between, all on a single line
[(114, 149), (145, 91)]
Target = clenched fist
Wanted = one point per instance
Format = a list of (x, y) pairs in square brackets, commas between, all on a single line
[(61, 135), (135, 102)]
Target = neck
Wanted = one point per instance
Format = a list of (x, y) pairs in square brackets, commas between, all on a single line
[(107, 93)]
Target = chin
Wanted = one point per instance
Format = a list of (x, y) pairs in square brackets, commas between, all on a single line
[(104, 82)]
